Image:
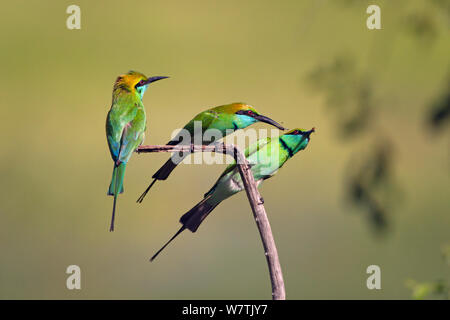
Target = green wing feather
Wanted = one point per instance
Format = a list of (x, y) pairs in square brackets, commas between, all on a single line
[(251, 149), (118, 118), (125, 127)]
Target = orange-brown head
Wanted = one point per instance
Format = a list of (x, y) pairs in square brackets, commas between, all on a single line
[(133, 82), (245, 115)]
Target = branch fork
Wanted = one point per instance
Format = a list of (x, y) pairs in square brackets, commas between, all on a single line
[(255, 200)]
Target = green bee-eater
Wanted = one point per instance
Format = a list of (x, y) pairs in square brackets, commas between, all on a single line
[(226, 119), (265, 157), (125, 126)]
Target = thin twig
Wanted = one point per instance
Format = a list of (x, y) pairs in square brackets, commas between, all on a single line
[(256, 203)]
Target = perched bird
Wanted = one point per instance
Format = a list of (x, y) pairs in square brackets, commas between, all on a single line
[(125, 126), (265, 157), (226, 119)]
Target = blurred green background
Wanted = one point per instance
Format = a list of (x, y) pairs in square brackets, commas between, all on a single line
[(301, 63)]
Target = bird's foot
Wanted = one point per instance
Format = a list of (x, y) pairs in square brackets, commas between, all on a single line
[(261, 200)]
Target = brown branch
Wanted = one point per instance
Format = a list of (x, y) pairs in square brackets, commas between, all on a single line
[(256, 203)]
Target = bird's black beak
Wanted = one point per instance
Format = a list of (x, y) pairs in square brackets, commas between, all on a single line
[(153, 79), (308, 133), (269, 121)]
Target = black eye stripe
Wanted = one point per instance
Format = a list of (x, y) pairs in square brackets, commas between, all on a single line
[(246, 112)]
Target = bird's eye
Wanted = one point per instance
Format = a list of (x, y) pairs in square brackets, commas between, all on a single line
[(249, 112), (140, 83)]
